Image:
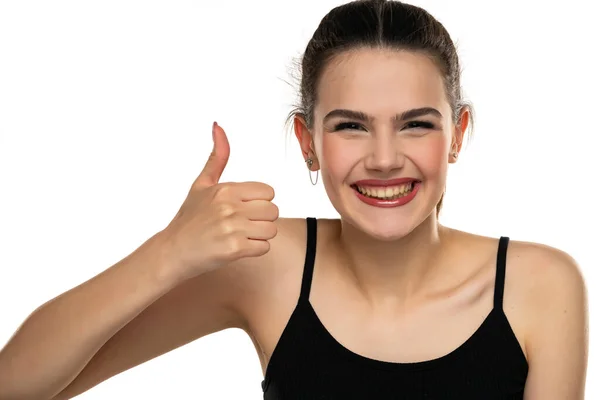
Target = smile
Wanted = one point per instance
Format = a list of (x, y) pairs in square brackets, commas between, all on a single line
[(386, 194)]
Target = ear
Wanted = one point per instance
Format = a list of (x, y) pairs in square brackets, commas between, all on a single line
[(305, 140), (459, 133)]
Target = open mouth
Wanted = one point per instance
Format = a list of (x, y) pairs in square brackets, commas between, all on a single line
[(386, 192)]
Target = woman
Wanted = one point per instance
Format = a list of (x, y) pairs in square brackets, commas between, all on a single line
[(383, 303)]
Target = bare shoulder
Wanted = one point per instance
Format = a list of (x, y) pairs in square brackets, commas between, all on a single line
[(256, 281), (546, 275), (546, 291), (543, 284), (545, 302)]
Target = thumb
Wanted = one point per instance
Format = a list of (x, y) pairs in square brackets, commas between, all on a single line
[(215, 165)]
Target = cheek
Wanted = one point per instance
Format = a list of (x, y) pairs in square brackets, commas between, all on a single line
[(431, 157), (339, 156)]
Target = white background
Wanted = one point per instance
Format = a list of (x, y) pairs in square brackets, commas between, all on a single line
[(105, 116)]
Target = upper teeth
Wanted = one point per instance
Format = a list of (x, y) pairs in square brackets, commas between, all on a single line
[(385, 192)]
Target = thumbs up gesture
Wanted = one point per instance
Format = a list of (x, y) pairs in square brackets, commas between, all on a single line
[(220, 222)]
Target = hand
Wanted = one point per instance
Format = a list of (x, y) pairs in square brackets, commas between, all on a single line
[(220, 222)]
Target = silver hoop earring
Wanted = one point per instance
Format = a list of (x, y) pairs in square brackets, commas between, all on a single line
[(309, 163), (455, 154)]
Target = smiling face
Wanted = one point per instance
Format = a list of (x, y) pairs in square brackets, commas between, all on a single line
[(383, 136)]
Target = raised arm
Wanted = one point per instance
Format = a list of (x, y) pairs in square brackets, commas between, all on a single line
[(174, 288)]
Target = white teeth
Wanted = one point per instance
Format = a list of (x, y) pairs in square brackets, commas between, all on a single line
[(386, 193)]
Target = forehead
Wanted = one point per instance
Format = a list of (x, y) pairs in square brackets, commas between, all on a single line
[(380, 82)]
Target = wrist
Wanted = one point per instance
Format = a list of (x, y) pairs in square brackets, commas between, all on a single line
[(162, 257)]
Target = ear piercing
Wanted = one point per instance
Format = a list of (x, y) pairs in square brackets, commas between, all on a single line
[(309, 164)]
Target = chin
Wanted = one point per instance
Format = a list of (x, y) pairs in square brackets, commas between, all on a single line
[(386, 223), (385, 229)]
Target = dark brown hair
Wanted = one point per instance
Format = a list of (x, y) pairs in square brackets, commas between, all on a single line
[(378, 24)]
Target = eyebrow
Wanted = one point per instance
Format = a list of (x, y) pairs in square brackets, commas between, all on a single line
[(363, 117)]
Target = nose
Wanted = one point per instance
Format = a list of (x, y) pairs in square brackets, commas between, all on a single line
[(384, 154)]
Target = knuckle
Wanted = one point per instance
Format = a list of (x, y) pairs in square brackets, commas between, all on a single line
[(235, 245), (223, 190), (227, 227), (225, 210)]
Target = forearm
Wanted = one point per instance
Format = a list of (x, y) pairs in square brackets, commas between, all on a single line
[(58, 339)]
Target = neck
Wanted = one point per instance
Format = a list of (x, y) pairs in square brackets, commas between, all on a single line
[(392, 270)]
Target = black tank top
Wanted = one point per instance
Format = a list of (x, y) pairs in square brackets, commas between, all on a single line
[(308, 363)]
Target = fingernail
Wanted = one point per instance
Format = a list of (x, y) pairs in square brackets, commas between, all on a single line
[(213, 130)]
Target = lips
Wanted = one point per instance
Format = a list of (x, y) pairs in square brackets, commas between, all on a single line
[(387, 193)]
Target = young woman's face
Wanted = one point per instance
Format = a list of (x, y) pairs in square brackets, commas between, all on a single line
[(383, 137)]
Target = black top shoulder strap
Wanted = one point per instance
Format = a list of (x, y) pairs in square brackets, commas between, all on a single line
[(309, 261), (500, 272)]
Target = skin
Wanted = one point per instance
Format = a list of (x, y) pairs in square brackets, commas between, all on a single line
[(396, 272), (404, 273)]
